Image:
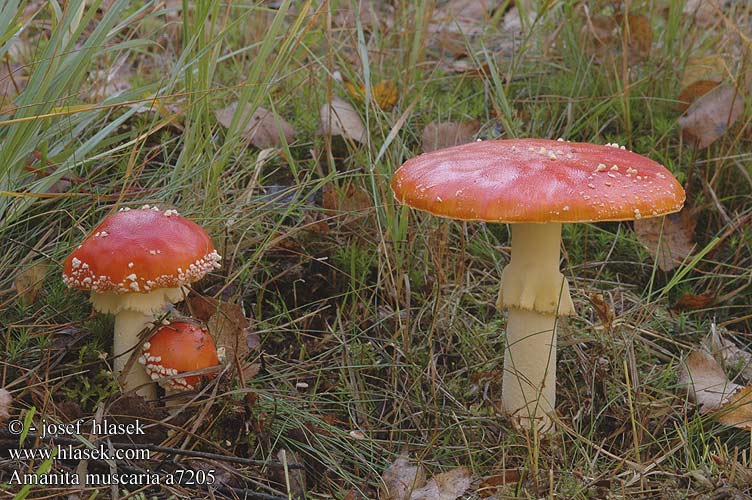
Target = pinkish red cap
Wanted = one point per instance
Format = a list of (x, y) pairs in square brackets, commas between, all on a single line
[(537, 180), (177, 348), (140, 250)]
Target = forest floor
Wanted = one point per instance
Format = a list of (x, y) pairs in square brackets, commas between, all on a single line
[(366, 349)]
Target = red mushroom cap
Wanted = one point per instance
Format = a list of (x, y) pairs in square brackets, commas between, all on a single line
[(141, 250), (537, 180), (176, 348)]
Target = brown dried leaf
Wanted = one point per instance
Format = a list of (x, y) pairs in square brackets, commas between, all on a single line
[(400, 479), (708, 386), (674, 242), (602, 309), (639, 36), (728, 354), (491, 484), (708, 118), (29, 282), (694, 91), (606, 40), (5, 401), (711, 67), (228, 325), (340, 118), (263, 128), (350, 199), (704, 12), (444, 135), (468, 17), (448, 485), (691, 302)]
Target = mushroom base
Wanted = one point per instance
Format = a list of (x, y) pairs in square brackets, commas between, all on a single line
[(128, 324), (529, 380)]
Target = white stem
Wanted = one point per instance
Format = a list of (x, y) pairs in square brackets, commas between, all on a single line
[(536, 293), (528, 390), (128, 324)]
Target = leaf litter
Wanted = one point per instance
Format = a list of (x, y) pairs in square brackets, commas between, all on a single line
[(447, 134), (668, 239), (264, 129), (230, 328), (404, 481), (712, 114), (5, 400), (340, 118), (708, 386)]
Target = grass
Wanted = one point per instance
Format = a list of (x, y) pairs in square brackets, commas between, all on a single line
[(386, 314)]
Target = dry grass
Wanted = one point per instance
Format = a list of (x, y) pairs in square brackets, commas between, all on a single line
[(377, 325)]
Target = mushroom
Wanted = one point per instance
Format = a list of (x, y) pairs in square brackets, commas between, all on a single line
[(134, 263), (179, 347), (535, 185)]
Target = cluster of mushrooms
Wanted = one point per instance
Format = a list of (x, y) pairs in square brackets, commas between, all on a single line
[(535, 185), (134, 263)]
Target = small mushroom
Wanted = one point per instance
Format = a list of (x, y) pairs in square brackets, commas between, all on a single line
[(535, 185), (179, 347), (134, 263)]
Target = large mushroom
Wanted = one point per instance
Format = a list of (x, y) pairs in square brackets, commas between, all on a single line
[(134, 263), (535, 185)]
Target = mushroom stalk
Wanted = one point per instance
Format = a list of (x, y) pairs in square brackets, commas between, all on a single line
[(536, 293), (128, 324)]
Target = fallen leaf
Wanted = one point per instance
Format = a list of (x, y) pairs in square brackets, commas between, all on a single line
[(728, 354), (448, 485), (399, 479), (349, 200), (5, 401), (692, 302), (708, 118), (712, 67), (704, 12), (383, 93), (263, 127), (670, 235), (639, 36), (457, 22), (491, 484), (602, 309), (228, 325), (694, 91), (447, 134), (29, 282), (605, 36), (465, 17), (340, 118), (708, 386)]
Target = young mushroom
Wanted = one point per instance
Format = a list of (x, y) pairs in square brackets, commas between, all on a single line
[(134, 263), (179, 347), (535, 185)]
